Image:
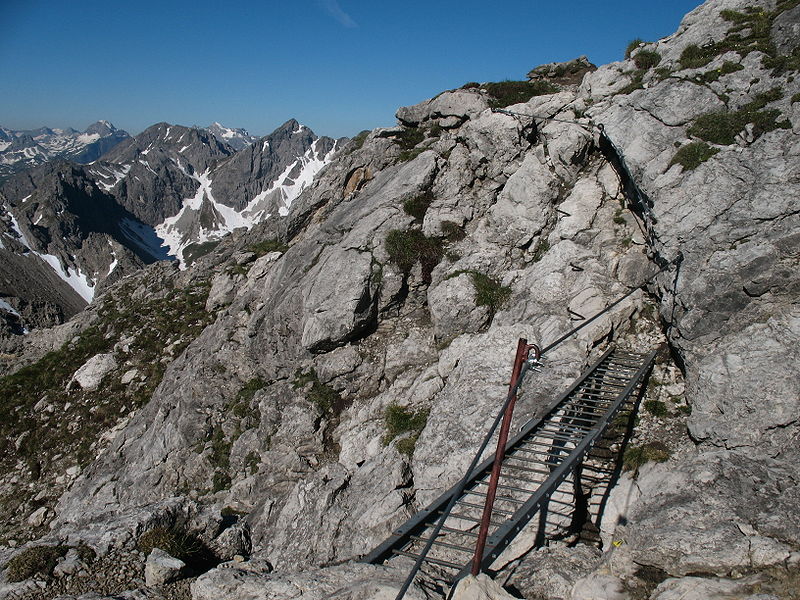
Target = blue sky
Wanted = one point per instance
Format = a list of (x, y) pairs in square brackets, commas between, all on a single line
[(339, 66)]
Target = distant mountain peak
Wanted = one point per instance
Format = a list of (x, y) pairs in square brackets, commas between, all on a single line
[(237, 138), (22, 150)]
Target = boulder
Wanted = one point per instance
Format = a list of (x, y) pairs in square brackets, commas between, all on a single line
[(89, 376), (480, 587), (162, 568)]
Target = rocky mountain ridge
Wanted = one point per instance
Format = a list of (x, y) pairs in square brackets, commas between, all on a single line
[(397, 284), (148, 199), (23, 150)]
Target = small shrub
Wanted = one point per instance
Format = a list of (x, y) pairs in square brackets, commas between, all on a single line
[(692, 155), (323, 396), (636, 83), (795, 98), (175, 541), (636, 456), (506, 93), (358, 141), (470, 85), (418, 205), (407, 247), (453, 231), (407, 155), (656, 408), (694, 57), (35, 560), (489, 292), (646, 59), (633, 45), (541, 249), (409, 137), (400, 420), (266, 246), (220, 481)]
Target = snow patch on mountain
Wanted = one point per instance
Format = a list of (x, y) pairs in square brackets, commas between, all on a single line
[(75, 279), (203, 219), (79, 282)]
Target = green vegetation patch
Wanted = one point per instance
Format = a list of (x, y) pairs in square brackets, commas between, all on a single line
[(692, 155), (453, 231), (408, 247), (636, 83), (795, 98), (633, 45), (36, 560), (636, 456), (656, 408), (409, 137), (148, 326), (506, 93), (418, 205), (489, 291), (193, 252), (358, 140), (646, 59), (266, 246), (176, 542), (749, 31), (727, 68), (321, 395), (400, 420), (721, 127)]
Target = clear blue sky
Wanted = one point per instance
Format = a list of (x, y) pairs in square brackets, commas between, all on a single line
[(339, 66)]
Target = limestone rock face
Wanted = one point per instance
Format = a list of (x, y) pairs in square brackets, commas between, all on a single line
[(283, 411)]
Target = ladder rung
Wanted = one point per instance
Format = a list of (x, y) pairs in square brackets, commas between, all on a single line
[(480, 506), (554, 435), (543, 445), (559, 455), (435, 561), (468, 518), (570, 418), (497, 498), (455, 531), (510, 487), (443, 544), (527, 469), (522, 458)]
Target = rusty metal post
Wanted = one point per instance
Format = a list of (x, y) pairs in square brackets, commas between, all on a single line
[(522, 355)]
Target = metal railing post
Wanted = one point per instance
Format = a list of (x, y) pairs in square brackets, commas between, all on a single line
[(521, 357)]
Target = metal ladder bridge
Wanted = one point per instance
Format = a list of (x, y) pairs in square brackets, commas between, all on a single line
[(540, 467)]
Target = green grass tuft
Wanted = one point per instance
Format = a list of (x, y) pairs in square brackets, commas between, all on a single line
[(692, 155), (266, 246), (408, 247), (721, 127), (636, 456), (358, 141), (323, 396), (418, 205), (633, 45), (36, 560), (506, 93), (400, 420), (646, 59), (656, 408), (193, 252)]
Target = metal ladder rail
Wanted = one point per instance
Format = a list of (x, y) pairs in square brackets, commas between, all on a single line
[(425, 517), (500, 539)]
